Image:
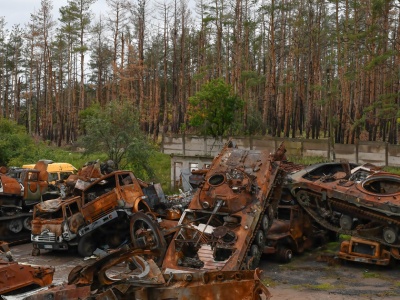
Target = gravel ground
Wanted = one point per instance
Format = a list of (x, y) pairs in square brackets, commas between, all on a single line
[(307, 278)]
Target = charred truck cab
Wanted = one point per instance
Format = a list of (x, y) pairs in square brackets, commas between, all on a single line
[(292, 231), (55, 224), (98, 216), (367, 251)]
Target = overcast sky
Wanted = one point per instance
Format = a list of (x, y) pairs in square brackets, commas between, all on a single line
[(19, 11)]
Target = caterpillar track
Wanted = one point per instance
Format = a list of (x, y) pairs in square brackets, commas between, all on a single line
[(225, 224), (361, 201)]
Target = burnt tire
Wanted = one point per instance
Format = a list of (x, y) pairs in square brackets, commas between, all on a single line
[(27, 223), (254, 257), (86, 245), (260, 240), (265, 224), (346, 222), (285, 254), (35, 252)]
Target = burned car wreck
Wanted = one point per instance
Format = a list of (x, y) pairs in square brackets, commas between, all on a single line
[(99, 215)]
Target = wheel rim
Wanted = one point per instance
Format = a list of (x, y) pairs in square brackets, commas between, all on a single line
[(265, 223), (260, 239), (389, 235), (15, 225), (346, 222), (27, 223), (289, 255), (145, 234)]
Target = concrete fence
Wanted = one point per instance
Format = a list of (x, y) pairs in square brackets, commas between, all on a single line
[(378, 153), (191, 152)]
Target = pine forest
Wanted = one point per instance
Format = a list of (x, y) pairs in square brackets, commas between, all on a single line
[(310, 69)]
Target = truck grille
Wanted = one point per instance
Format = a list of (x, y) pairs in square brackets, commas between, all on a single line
[(102, 214), (48, 237)]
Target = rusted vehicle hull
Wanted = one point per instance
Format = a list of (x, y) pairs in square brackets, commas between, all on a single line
[(225, 224), (15, 277), (19, 192), (366, 251), (146, 282), (355, 200)]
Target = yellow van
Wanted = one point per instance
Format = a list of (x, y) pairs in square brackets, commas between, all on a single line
[(57, 171)]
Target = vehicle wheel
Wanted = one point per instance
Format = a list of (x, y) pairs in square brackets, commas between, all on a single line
[(35, 252), (389, 235), (86, 245), (254, 257), (15, 225), (146, 235), (346, 222), (265, 223), (260, 240), (285, 254), (27, 223)]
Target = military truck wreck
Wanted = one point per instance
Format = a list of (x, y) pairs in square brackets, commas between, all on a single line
[(225, 224), (20, 190), (99, 215), (366, 251), (361, 201), (292, 231)]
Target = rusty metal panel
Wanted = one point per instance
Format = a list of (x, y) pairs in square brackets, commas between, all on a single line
[(61, 292), (346, 198), (15, 276), (365, 251), (147, 282)]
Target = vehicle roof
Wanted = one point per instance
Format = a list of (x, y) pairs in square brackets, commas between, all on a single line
[(54, 167)]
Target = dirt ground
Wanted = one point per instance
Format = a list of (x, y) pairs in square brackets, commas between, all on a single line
[(304, 278), (307, 278)]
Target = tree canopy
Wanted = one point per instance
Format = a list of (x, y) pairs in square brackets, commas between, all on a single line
[(115, 130), (214, 108)]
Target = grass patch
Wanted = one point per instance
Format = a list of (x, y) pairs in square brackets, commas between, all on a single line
[(344, 237), (320, 287), (307, 160), (161, 164), (371, 275), (395, 170), (268, 282)]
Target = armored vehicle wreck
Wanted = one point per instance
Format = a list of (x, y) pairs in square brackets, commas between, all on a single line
[(360, 201), (20, 190), (225, 224)]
